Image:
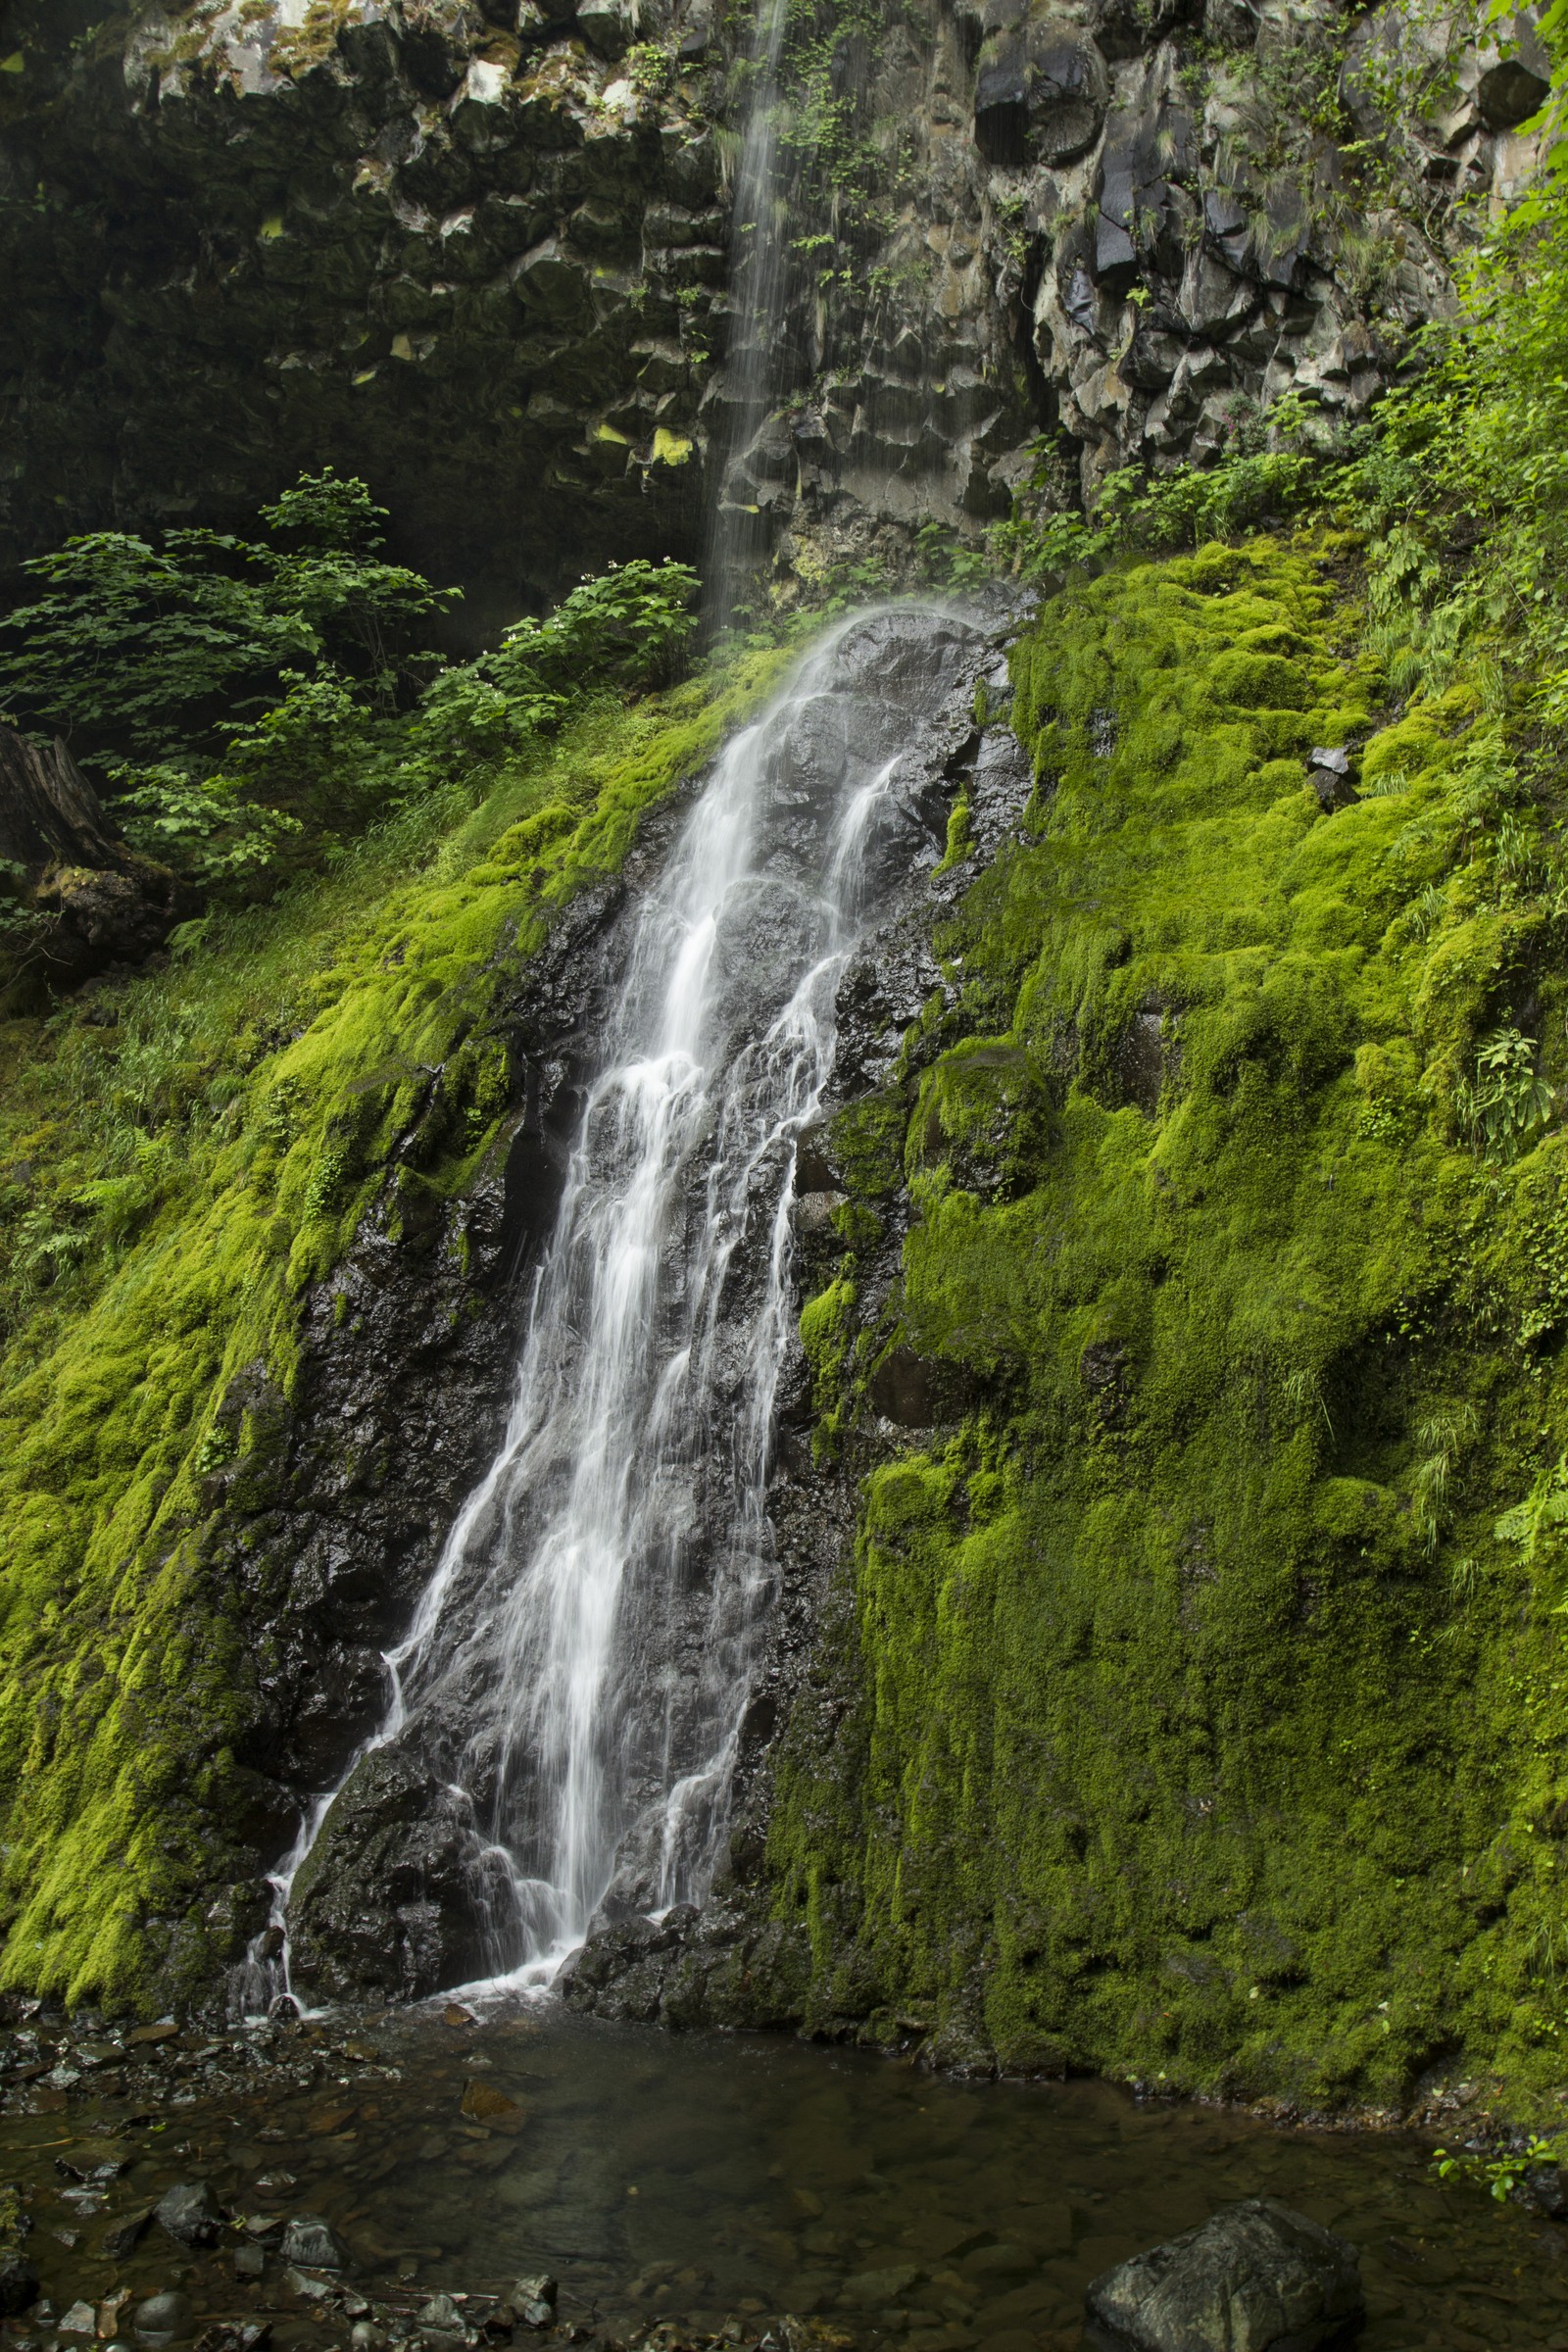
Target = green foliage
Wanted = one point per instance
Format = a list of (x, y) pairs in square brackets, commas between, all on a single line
[(1201, 1714), (627, 629), (265, 692), (140, 648), (1506, 1102), (1274, 466), (1500, 2174), (203, 829)]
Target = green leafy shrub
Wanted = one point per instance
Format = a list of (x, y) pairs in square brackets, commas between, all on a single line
[(253, 703), (145, 651)]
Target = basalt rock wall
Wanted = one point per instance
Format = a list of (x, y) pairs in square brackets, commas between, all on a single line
[(482, 256)]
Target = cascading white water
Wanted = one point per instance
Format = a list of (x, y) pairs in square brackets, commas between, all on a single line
[(581, 1660), (580, 1663)]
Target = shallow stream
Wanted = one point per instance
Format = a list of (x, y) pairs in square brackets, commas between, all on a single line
[(709, 2188)]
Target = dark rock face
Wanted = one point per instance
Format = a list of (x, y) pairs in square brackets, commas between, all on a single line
[(487, 266), (1258, 2275), (391, 1897), (329, 1523), (395, 240)]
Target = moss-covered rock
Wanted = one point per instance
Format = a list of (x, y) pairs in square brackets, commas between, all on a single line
[(1189, 1716)]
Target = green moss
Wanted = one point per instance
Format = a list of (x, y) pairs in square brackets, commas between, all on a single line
[(199, 1166), (1191, 1722)]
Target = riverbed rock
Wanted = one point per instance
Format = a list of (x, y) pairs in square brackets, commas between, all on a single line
[(190, 2213), (164, 2318), (308, 2241), (19, 2285), (1258, 2277)]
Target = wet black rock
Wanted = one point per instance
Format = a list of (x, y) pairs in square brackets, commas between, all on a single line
[(1543, 2189), (308, 2241), (1332, 774), (125, 2234), (190, 2213), (391, 1896), (163, 2320), (1258, 2273), (19, 2285), (1508, 94)]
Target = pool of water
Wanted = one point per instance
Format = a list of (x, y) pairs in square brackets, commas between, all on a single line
[(695, 2188)]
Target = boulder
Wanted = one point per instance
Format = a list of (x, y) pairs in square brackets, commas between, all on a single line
[(163, 2319), (1258, 2277), (393, 1893), (308, 2241), (1331, 773), (1508, 94)]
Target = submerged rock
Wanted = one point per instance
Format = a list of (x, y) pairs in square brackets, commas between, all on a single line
[(163, 2320), (19, 2285), (190, 2213), (1258, 2277), (308, 2241)]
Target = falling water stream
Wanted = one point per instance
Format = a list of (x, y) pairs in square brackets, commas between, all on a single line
[(580, 1661), (579, 1664)]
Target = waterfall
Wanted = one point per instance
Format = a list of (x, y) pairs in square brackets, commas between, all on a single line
[(579, 1666), (581, 1660), (756, 365)]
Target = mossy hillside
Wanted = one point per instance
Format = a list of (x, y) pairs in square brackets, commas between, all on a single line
[(1195, 1725), (175, 1184)]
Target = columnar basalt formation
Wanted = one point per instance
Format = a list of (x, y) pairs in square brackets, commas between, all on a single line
[(480, 255)]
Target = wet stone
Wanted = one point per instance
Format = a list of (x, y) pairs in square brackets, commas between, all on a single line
[(1258, 2273), (441, 2317), (190, 2213), (19, 2285), (163, 2319), (309, 2242)]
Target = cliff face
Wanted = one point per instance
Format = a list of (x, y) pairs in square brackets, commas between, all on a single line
[(1149, 1458), (480, 257)]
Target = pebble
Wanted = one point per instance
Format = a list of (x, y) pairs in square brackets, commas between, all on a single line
[(80, 2320)]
